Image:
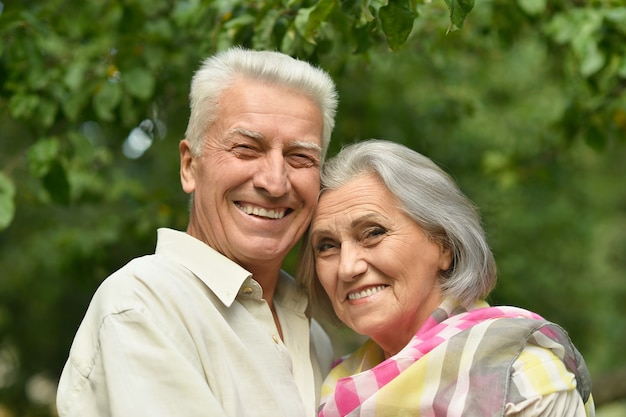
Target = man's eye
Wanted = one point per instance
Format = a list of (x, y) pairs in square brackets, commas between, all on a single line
[(300, 160), (244, 150)]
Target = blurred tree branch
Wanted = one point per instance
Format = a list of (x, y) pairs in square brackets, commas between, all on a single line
[(609, 387)]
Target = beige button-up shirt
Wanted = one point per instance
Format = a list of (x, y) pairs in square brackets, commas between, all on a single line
[(185, 332)]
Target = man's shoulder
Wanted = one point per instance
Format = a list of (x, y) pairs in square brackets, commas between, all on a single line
[(136, 281), (143, 270)]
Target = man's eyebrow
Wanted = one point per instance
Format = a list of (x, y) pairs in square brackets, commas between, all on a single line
[(258, 136), (245, 132), (306, 145)]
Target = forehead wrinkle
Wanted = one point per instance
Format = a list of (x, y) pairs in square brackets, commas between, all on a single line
[(317, 230)]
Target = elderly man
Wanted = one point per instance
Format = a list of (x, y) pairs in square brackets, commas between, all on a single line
[(210, 325)]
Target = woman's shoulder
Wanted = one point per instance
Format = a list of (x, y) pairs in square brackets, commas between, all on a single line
[(540, 380)]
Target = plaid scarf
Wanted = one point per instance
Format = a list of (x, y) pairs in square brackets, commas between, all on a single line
[(458, 364)]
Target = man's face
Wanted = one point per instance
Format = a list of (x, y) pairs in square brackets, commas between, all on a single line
[(256, 182)]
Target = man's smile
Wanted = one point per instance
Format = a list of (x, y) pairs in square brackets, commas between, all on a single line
[(276, 213)]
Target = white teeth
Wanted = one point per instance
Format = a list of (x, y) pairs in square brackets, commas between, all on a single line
[(366, 293), (272, 214)]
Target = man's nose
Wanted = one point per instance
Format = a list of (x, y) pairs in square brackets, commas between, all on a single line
[(272, 176)]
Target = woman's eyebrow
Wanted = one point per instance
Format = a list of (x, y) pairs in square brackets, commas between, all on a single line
[(364, 219), (317, 233)]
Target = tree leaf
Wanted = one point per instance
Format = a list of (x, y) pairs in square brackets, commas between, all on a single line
[(41, 155), (23, 105), (595, 138), (532, 7), (75, 103), (262, 38), (397, 23), (7, 201), (75, 74), (139, 82), (308, 20), (107, 99), (57, 185), (617, 16), (363, 37), (459, 9), (621, 71), (47, 111)]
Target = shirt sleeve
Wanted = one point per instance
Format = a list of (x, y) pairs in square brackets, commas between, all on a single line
[(548, 389), (133, 369)]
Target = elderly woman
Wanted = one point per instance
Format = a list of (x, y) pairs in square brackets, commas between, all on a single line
[(398, 253)]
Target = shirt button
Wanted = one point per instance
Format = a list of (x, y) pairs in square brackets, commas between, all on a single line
[(247, 290), (275, 338)]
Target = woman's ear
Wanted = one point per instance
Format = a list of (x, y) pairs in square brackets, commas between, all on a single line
[(187, 166), (445, 257)]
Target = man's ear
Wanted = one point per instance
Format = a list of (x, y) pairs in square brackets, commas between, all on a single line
[(187, 166)]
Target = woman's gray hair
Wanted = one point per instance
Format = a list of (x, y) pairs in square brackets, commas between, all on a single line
[(431, 198), (220, 71)]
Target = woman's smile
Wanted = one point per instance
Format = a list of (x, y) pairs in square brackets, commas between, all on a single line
[(365, 293)]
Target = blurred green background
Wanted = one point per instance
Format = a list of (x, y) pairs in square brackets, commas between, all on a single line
[(523, 102)]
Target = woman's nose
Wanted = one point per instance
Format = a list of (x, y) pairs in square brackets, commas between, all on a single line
[(351, 262)]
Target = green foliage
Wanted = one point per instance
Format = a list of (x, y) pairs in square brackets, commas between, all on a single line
[(7, 206), (397, 21), (525, 106), (459, 10), (593, 38)]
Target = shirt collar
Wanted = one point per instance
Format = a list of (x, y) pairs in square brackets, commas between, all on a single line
[(203, 261), (212, 267), (289, 293)]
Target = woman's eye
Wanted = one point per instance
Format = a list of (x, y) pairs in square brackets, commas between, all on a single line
[(323, 247), (374, 232)]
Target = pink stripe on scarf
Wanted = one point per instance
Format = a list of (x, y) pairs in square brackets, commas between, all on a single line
[(346, 396)]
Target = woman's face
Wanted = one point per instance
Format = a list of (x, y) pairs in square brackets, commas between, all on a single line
[(378, 267)]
